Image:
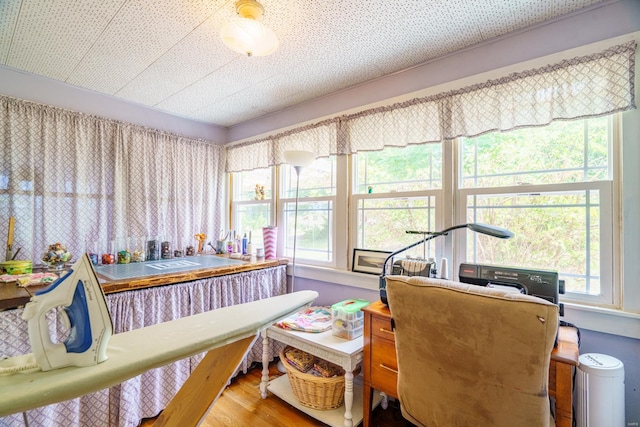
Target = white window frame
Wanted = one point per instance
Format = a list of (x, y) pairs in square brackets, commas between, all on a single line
[(621, 319), (607, 296), (282, 232), (234, 204), (356, 198), (610, 207)]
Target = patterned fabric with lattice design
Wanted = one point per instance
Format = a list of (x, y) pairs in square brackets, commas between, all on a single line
[(72, 178), (588, 86)]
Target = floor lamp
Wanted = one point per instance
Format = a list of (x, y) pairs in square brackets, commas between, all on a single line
[(298, 159)]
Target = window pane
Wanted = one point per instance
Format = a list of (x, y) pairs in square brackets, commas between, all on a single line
[(413, 168), (553, 231), (252, 185), (383, 223), (250, 218), (317, 180), (314, 230), (563, 152)]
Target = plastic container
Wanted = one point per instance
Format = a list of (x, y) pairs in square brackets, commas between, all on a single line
[(17, 267), (347, 318), (600, 391)]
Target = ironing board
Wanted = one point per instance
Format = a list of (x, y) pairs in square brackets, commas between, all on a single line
[(226, 333)]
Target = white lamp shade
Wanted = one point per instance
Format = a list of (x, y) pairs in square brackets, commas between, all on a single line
[(249, 37), (299, 158)]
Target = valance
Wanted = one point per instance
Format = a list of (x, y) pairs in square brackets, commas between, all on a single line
[(588, 86), (320, 138)]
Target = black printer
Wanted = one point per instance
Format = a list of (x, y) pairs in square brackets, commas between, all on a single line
[(539, 283)]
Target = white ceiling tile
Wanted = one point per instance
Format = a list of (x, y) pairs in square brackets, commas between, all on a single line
[(190, 60), (8, 18), (140, 33), (52, 37), (243, 73)]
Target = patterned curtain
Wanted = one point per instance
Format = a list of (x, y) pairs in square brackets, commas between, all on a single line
[(320, 138), (587, 86), (73, 178)]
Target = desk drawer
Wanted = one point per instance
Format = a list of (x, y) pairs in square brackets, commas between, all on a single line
[(384, 366), (382, 328)]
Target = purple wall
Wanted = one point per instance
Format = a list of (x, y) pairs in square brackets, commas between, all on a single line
[(19, 84)]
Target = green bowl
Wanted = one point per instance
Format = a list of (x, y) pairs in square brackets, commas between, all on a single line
[(17, 267)]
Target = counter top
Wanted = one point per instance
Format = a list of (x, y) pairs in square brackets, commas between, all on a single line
[(12, 295)]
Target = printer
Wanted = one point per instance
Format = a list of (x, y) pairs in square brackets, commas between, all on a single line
[(538, 283)]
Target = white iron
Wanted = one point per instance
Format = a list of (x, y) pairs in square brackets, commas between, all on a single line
[(84, 310)]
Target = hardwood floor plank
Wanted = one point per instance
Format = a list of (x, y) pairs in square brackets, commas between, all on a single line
[(241, 405)]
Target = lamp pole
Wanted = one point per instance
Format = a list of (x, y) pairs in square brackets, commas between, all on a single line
[(297, 159), (295, 229)]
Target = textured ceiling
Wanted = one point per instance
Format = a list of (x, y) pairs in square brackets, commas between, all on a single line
[(167, 54)]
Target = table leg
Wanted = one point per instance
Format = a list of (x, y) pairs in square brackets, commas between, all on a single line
[(367, 402), (348, 399), (564, 395), (265, 365)]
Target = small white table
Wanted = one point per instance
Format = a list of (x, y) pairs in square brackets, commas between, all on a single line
[(345, 353)]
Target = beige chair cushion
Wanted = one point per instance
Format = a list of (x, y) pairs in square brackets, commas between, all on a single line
[(470, 355)]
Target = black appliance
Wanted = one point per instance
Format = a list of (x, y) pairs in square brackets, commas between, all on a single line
[(539, 283)]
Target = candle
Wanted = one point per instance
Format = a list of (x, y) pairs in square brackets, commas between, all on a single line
[(12, 222)]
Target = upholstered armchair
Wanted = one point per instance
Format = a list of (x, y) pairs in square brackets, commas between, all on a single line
[(470, 355)]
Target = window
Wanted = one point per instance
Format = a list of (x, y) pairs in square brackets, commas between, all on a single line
[(252, 203), (395, 191), (552, 186), (316, 204)]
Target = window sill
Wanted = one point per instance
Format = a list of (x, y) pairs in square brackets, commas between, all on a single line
[(606, 320), (597, 319), (339, 277)]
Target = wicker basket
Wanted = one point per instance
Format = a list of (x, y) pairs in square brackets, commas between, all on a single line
[(312, 391)]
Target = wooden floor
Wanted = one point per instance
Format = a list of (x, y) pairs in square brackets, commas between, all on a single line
[(241, 405)]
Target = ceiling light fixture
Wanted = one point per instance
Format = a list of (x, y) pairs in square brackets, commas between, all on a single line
[(247, 34)]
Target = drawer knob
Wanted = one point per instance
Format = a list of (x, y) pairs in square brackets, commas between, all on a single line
[(386, 331), (395, 371)]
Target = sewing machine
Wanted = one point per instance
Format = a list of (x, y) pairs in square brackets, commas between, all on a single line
[(539, 283)]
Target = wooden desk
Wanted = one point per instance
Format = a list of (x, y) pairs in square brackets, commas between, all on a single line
[(380, 367)]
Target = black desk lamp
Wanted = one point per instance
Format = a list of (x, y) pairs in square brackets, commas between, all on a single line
[(490, 230)]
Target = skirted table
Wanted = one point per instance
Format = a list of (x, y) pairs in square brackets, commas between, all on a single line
[(147, 394)]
